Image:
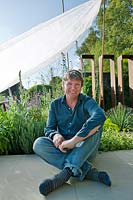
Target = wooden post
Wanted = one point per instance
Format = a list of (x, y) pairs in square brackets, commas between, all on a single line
[(130, 71), (91, 58), (81, 64), (120, 81), (120, 77), (101, 96), (93, 78), (112, 81)]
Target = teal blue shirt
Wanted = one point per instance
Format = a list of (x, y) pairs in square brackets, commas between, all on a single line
[(86, 115)]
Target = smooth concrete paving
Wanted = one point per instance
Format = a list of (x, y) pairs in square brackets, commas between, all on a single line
[(21, 174)]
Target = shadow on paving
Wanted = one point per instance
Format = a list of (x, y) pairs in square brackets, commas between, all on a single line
[(20, 176)]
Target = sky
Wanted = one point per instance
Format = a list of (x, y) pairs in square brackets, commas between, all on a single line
[(19, 16)]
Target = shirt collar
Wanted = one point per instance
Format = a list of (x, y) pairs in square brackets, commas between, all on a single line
[(80, 98), (63, 99)]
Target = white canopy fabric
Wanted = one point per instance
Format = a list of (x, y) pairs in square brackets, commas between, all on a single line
[(39, 47)]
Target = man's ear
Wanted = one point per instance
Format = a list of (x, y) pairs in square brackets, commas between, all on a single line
[(63, 84)]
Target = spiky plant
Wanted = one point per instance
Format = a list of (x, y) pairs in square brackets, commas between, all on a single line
[(122, 116)]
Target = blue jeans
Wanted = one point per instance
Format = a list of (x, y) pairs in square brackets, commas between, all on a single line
[(78, 159)]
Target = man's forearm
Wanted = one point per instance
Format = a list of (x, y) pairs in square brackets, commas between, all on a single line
[(71, 143), (77, 139)]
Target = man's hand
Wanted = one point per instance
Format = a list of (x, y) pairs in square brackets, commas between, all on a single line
[(66, 145), (57, 140)]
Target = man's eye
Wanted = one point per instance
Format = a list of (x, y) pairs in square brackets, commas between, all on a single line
[(69, 84)]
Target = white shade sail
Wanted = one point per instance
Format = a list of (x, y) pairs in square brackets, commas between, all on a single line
[(39, 47)]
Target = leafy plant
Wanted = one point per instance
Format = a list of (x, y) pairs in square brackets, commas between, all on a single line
[(4, 144), (118, 39), (110, 125), (87, 88), (19, 127), (122, 116), (112, 140), (4, 140)]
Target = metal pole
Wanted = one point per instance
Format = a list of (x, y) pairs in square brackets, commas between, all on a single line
[(63, 6), (63, 10), (103, 28), (101, 99)]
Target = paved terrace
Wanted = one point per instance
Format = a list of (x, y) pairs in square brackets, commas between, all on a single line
[(21, 174)]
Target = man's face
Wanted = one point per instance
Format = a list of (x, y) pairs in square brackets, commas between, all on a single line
[(72, 87)]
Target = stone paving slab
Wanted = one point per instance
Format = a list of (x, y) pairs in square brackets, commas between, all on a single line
[(21, 174)]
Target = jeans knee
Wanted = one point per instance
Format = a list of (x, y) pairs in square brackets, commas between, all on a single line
[(41, 144), (37, 144)]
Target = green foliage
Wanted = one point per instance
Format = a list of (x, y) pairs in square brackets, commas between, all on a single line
[(118, 31), (87, 87), (4, 144), (27, 126), (40, 95), (4, 141), (40, 88), (122, 116), (46, 92), (110, 125), (107, 91), (118, 40), (2, 98), (21, 124), (112, 140), (118, 27), (19, 127), (56, 86), (91, 39), (125, 76)]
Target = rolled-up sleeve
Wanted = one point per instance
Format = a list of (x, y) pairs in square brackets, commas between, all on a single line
[(97, 117)]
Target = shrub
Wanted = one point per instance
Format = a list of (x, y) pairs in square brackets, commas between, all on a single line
[(122, 116), (109, 124), (112, 140), (87, 88), (19, 127), (4, 140)]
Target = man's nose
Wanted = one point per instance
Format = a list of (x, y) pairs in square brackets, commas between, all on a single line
[(73, 87)]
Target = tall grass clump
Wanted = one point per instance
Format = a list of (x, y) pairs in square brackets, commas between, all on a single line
[(20, 125), (4, 140), (122, 116)]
